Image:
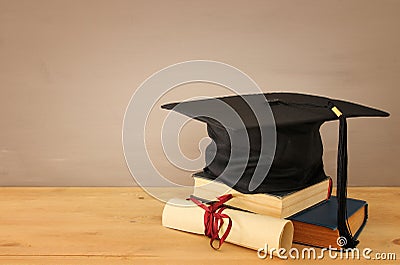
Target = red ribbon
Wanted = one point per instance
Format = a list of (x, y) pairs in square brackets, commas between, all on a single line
[(214, 219)]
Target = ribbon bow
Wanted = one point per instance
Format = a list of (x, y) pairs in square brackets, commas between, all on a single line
[(214, 219)]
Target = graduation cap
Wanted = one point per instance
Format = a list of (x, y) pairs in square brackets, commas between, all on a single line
[(287, 125)]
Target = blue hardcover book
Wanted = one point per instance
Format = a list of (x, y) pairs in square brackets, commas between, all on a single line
[(317, 225)]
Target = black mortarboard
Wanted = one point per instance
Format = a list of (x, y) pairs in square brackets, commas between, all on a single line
[(297, 161)]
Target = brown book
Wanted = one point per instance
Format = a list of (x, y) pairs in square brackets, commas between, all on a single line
[(279, 205), (317, 226)]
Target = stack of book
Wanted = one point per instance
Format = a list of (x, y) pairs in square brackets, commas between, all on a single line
[(312, 211), (285, 136)]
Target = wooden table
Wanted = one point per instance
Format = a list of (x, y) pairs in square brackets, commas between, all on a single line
[(123, 226)]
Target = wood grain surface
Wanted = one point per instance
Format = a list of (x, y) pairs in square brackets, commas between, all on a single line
[(123, 226)]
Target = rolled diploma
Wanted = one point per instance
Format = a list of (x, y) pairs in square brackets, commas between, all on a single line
[(248, 229)]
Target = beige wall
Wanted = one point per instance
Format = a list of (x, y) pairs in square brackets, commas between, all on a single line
[(69, 68)]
